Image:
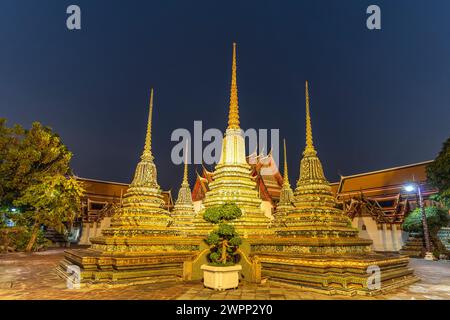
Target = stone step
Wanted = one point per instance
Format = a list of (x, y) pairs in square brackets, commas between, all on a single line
[(444, 236)]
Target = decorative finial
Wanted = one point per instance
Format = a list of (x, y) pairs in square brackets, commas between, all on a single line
[(285, 172), (147, 154), (309, 148), (233, 116), (185, 174)]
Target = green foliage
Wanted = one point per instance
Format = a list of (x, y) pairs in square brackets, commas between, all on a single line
[(35, 177), (436, 218), (438, 173), (213, 238), (52, 203), (224, 240), (23, 238), (17, 239), (226, 212), (2, 220)]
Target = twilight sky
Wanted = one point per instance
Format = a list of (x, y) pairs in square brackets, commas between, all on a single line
[(378, 98)]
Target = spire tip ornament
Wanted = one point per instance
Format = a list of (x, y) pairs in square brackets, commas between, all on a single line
[(185, 173), (285, 172), (233, 116), (147, 154), (309, 148)]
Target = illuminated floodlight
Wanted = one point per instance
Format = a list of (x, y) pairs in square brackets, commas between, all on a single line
[(409, 188)]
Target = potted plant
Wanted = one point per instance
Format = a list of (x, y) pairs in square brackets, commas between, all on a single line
[(222, 272)]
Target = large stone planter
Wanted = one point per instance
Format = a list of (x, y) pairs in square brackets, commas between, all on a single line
[(221, 278)]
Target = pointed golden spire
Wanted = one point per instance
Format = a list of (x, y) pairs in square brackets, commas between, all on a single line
[(309, 148), (185, 175), (147, 154), (233, 116), (285, 172)]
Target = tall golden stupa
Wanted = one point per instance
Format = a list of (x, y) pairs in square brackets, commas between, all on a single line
[(232, 180), (316, 247), (142, 212), (183, 213), (285, 204), (315, 212)]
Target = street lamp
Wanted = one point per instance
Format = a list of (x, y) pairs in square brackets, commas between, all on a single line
[(416, 187)]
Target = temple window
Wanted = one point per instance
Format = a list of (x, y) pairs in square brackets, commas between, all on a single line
[(96, 205)]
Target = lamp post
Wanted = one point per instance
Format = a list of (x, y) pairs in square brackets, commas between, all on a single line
[(416, 187)]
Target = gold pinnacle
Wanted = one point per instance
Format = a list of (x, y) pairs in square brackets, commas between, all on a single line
[(233, 116), (285, 172), (148, 138), (309, 148), (185, 174)]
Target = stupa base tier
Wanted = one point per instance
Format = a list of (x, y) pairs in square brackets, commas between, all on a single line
[(98, 268), (143, 245), (309, 245), (316, 231), (244, 228), (338, 274), (141, 231)]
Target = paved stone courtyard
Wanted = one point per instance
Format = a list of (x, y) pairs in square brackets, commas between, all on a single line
[(33, 276)]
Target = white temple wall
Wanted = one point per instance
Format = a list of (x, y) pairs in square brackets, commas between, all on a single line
[(198, 205), (266, 207), (94, 229), (385, 237)]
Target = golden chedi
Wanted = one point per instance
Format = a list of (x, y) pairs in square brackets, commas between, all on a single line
[(139, 246), (316, 247), (142, 211), (315, 213), (232, 180), (285, 204)]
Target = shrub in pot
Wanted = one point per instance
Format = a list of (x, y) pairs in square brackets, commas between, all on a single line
[(222, 272)]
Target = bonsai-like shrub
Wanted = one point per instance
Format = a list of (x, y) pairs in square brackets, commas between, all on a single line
[(224, 240)]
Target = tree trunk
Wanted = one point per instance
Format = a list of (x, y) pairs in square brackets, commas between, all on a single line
[(34, 234), (437, 242), (223, 258)]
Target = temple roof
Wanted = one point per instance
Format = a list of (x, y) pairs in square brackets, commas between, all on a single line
[(264, 169), (384, 181), (334, 187), (101, 188)]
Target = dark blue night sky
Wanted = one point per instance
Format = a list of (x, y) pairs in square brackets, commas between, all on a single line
[(379, 98)]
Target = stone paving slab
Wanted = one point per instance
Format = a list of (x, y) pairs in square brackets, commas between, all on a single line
[(33, 276)]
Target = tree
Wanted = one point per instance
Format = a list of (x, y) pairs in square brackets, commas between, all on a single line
[(53, 202), (9, 140), (224, 240), (35, 176), (438, 173), (436, 219)]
